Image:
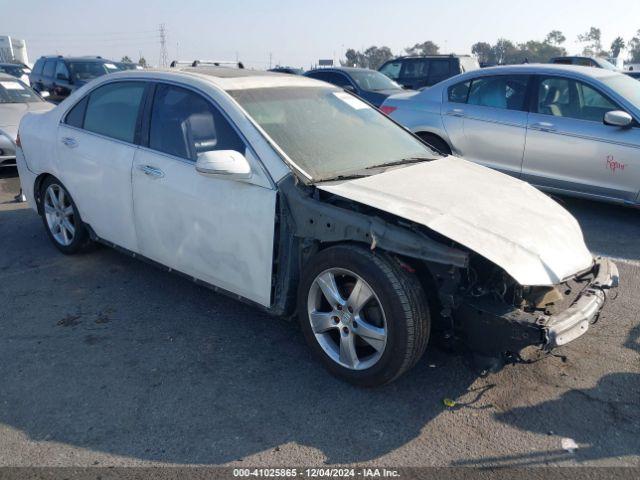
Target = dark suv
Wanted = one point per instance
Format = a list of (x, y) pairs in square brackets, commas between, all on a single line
[(416, 72), (62, 75)]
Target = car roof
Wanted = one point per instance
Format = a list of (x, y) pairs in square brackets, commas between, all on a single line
[(76, 59), (548, 68), (227, 78)]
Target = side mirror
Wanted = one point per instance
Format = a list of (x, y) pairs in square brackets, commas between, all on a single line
[(224, 163), (44, 94), (618, 118)]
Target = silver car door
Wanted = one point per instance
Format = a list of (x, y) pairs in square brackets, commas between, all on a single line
[(570, 149), (495, 120)]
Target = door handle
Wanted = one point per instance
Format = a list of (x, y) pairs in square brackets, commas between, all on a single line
[(151, 171), (456, 112), (69, 142), (544, 127)]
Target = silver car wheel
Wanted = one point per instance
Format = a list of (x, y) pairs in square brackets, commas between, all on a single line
[(58, 212), (347, 318)]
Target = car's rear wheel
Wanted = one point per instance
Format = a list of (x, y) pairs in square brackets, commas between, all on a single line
[(61, 218), (364, 317), (435, 141)]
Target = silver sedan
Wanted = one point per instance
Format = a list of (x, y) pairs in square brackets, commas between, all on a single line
[(565, 129)]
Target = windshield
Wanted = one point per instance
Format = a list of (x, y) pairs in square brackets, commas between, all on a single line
[(89, 70), (14, 70), (329, 133), (607, 65), (14, 91), (373, 81), (626, 87)]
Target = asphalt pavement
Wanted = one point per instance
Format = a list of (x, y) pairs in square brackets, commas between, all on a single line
[(106, 360)]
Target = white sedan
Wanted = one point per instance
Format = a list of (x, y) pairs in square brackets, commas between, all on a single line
[(300, 198)]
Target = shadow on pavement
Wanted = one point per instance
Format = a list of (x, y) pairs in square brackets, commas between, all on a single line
[(595, 418), (106, 353)]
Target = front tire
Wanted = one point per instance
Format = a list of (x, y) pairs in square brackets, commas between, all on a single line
[(364, 317), (61, 218)]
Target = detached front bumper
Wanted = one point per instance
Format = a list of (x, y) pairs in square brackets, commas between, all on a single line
[(491, 327), (573, 322)]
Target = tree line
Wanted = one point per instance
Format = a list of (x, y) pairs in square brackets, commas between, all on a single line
[(504, 51)]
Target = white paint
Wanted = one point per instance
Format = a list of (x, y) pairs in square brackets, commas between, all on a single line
[(352, 101), (505, 220)]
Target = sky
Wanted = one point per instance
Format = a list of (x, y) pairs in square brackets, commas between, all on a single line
[(298, 32)]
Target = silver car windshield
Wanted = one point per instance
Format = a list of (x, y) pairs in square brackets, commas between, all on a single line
[(625, 86), (14, 91), (329, 133)]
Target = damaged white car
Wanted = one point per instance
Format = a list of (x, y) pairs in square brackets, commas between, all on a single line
[(302, 199)]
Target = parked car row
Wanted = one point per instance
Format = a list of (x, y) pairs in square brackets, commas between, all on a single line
[(570, 130), (302, 199)]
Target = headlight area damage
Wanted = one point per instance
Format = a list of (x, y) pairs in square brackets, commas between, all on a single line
[(476, 301)]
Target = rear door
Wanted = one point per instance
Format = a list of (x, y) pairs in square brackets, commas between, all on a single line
[(95, 149), (214, 229), (494, 120), (569, 148)]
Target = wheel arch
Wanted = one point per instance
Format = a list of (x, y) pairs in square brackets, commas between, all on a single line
[(427, 134), (37, 187)]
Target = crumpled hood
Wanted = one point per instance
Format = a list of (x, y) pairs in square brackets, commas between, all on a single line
[(505, 220)]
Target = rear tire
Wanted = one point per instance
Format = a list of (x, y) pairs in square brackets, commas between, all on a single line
[(61, 217), (376, 325)]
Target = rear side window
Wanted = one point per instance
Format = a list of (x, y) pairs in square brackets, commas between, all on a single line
[(62, 70), (184, 124), (49, 68), (502, 91), (75, 117), (37, 68), (459, 93), (439, 70), (112, 110), (414, 68)]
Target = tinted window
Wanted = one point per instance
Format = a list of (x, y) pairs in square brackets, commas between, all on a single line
[(439, 70), (504, 91), (61, 69), (563, 97), (414, 68), (373, 81), (89, 70), (75, 117), (460, 92), (49, 67), (184, 124), (37, 68), (331, 77), (113, 110)]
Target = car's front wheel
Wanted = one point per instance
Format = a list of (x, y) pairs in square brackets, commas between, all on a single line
[(364, 317), (61, 218)]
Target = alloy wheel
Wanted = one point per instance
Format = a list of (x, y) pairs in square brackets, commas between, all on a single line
[(347, 318), (58, 211)]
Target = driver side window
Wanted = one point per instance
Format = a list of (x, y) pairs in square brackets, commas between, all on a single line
[(184, 124), (565, 97)]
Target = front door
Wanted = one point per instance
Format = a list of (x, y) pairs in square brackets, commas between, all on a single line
[(217, 230), (570, 149)]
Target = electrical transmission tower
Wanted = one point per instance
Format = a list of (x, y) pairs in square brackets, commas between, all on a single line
[(163, 46)]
